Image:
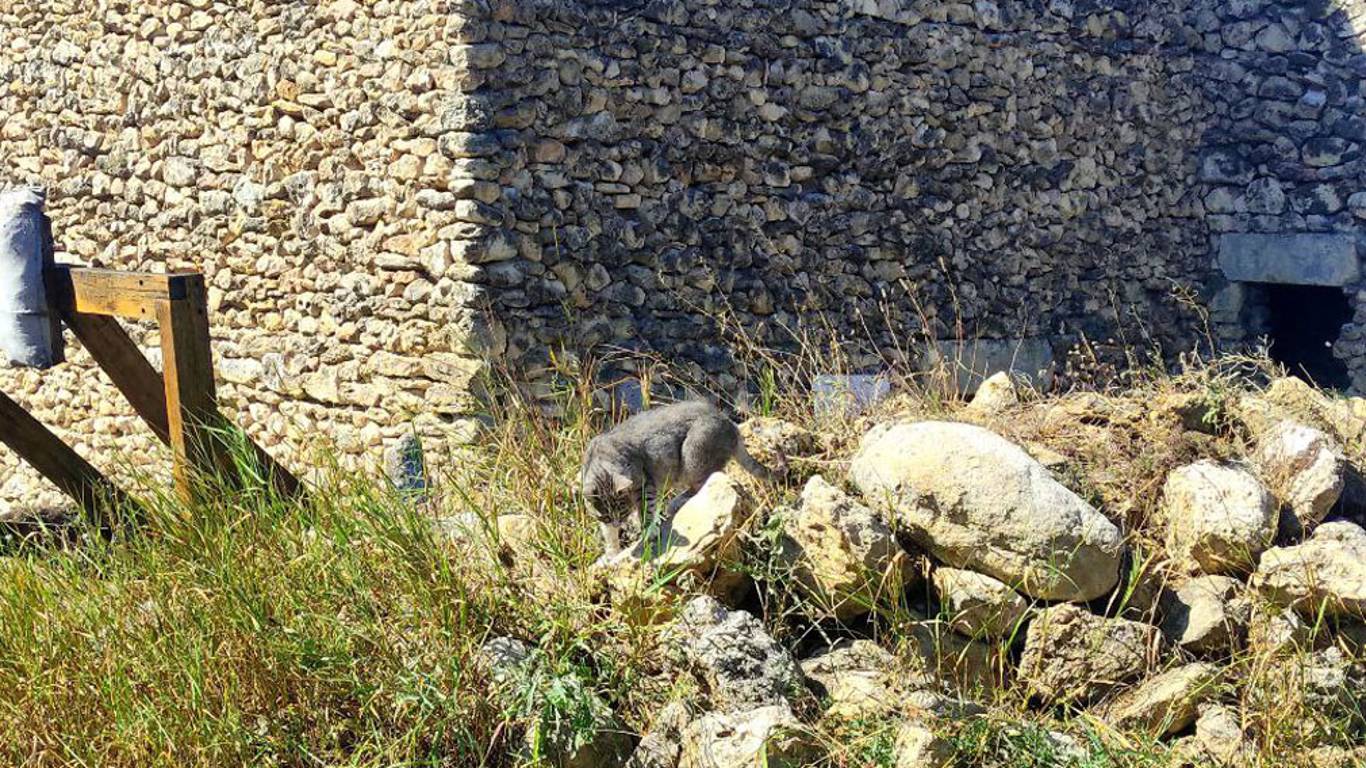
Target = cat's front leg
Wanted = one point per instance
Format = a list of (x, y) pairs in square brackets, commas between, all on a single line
[(611, 538)]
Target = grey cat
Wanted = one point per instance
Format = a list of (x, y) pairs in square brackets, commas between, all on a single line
[(673, 447)]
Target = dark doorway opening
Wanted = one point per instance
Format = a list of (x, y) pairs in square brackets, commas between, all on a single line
[(1303, 321)]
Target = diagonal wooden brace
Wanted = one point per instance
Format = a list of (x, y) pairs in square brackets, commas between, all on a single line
[(57, 461)]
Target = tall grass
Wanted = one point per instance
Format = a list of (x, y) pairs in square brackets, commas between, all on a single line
[(244, 629), (345, 628)]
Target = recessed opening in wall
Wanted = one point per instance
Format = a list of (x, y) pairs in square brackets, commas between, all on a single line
[(1302, 322)]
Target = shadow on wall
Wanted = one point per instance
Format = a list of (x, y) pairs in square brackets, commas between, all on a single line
[(689, 178), (1281, 174)]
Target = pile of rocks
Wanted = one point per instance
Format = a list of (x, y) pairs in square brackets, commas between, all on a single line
[(1027, 580)]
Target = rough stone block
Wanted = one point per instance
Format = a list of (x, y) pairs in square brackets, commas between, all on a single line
[(1298, 259), (972, 362)]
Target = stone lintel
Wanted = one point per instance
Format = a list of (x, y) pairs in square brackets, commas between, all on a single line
[(1298, 259)]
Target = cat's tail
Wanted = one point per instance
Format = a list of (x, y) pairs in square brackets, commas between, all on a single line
[(750, 465)]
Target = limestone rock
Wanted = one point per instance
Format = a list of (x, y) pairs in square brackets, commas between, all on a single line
[(919, 746), (458, 528), (1303, 468), (769, 735), (1206, 615), (927, 703), (765, 735), (842, 553), (1220, 736), (1292, 398), (698, 547), (1329, 685), (1326, 573), (998, 393), (501, 657), (662, 741), (1090, 408), (779, 445), (860, 679), (738, 663), (968, 665), (1336, 757), (978, 605), (1218, 517), (978, 501), (1071, 654), (1167, 703), (518, 543), (1275, 631), (704, 534)]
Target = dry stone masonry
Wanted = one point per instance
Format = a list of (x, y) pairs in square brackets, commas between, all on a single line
[(387, 195)]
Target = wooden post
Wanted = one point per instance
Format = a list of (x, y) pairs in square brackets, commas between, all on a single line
[(56, 460), (191, 397)]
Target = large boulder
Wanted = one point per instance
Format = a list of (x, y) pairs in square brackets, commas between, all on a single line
[(1166, 703), (1218, 517), (977, 501), (842, 553), (1207, 615), (977, 605), (738, 663), (860, 679), (1071, 654), (1303, 468), (1326, 574), (769, 735)]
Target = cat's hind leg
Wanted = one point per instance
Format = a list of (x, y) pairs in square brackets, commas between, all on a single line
[(709, 444)]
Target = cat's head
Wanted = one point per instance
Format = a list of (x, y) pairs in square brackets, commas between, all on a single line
[(608, 484)]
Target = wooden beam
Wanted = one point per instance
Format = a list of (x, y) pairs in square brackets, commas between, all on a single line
[(119, 356), (57, 461), (130, 295), (191, 398)]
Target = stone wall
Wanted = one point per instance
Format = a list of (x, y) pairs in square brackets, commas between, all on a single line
[(1280, 169), (901, 171), (382, 194), (297, 153)]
